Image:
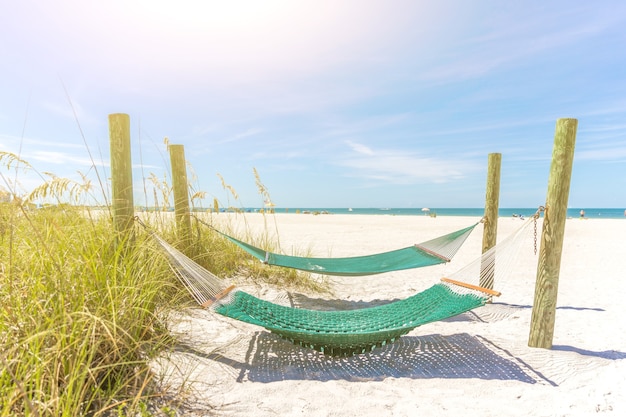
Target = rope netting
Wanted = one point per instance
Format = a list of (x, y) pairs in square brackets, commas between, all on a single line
[(204, 286), (496, 264), (349, 332), (352, 331), (433, 252)]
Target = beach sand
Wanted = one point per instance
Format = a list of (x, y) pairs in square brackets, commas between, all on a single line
[(476, 364)]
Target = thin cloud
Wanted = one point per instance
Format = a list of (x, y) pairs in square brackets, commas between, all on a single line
[(61, 158), (401, 167), (516, 41), (200, 44), (602, 154), (71, 109), (354, 127), (279, 155), (243, 135), (13, 141), (360, 149)]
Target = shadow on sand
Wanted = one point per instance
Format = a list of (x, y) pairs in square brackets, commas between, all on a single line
[(606, 354), (268, 358), (459, 356)]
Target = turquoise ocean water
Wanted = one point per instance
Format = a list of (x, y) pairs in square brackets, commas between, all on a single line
[(592, 213)]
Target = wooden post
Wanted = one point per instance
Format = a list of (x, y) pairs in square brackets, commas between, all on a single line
[(181, 194), (546, 286), (490, 230), (121, 172)]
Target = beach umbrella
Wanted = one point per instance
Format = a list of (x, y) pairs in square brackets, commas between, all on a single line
[(425, 209)]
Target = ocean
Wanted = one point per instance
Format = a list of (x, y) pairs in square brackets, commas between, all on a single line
[(592, 213)]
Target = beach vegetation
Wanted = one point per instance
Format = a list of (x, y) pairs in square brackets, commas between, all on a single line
[(82, 314), (84, 310)]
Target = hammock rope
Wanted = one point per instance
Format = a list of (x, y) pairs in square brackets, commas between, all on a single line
[(432, 252), (350, 332), (345, 332)]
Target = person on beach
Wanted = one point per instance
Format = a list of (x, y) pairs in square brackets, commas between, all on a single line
[(582, 213)]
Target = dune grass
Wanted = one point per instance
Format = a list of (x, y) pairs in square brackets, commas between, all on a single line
[(83, 310), (81, 316)]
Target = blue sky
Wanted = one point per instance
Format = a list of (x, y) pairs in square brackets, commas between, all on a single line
[(335, 103)]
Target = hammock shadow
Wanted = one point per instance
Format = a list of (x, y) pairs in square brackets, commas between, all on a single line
[(458, 356)]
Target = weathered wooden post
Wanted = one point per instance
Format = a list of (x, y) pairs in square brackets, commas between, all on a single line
[(548, 267), (490, 230), (181, 194), (121, 172)]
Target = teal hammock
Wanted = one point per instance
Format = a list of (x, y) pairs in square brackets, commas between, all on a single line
[(350, 332), (433, 252), (335, 333)]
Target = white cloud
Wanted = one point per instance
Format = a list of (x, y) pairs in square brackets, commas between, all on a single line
[(60, 158), (608, 153), (71, 110), (249, 132), (194, 43), (402, 167), (517, 39), (360, 149)]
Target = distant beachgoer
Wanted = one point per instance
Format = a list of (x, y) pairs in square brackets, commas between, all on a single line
[(582, 213)]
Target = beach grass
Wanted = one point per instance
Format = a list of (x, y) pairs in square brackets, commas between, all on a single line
[(84, 310), (82, 313)]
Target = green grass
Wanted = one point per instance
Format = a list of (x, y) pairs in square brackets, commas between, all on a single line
[(81, 316), (83, 310)]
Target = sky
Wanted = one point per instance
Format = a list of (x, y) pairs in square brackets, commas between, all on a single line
[(343, 103)]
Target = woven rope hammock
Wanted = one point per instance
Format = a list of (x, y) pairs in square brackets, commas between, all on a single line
[(349, 332), (433, 252)]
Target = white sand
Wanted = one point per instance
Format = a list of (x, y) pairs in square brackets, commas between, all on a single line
[(478, 364)]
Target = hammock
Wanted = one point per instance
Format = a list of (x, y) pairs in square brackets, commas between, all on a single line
[(433, 252), (349, 332)]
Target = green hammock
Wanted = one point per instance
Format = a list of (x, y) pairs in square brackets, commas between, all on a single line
[(345, 332), (336, 333), (350, 332), (433, 252)]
